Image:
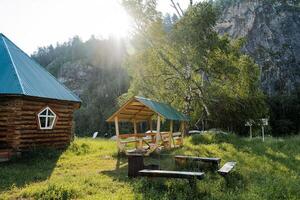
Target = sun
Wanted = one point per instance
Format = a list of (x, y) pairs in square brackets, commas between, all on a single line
[(120, 23), (110, 18)]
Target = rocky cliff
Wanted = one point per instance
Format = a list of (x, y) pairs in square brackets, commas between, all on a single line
[(272, 32)]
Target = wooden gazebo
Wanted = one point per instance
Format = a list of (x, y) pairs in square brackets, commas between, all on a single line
[(141, 110)]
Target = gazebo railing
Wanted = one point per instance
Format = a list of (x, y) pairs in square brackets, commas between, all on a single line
[(141, 139)]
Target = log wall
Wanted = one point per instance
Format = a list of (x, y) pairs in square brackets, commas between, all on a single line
[(4, 115), (19, 123)]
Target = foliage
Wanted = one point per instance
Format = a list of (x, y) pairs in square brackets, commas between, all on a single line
[(268, 170), (93, 70), (285, 113), (190, 66)]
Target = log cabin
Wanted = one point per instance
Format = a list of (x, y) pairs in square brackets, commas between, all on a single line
[(36, 110)]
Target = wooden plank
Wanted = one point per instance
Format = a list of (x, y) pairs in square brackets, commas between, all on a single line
[(203, 159), (171, 174), (136, 103), (135, 111), (129, 118), (227, 168), (212, 163), (135, 108), (132, 114), (44, 135)]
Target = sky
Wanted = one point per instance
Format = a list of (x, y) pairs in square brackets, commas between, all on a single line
[(35, 23)]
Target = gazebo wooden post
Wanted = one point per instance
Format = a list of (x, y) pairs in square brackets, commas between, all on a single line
[(117, 133), (134, 127), (158, 131), (150, 126), (135, 132), (171, 134), (182, 125)]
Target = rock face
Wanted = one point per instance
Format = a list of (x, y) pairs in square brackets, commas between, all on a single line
[(272, 32), (76, 75)]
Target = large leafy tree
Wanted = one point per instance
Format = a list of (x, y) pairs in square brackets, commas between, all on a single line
[(192, 67)]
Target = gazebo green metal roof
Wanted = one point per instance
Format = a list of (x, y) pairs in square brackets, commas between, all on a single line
[(167, 111), (20, 75), (142, 109)]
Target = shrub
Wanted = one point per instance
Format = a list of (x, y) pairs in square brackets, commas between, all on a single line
[(211, 137), (53, 192), (78, 149)]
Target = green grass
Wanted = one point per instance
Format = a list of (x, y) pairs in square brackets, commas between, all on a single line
[(91, 169)]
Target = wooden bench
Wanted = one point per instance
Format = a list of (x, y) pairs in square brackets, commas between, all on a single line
[(171, 174), (137, 168), (227, 168), (190, 176), (181, 160)]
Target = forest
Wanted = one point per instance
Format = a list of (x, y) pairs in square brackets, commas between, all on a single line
[(178, 59)]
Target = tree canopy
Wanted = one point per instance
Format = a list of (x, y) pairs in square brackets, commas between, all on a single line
[(190, 66)]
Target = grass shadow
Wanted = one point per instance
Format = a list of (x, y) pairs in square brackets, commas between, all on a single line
[(235, 181), (33, 166)]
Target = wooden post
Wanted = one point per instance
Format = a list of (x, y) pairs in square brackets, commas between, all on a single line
[(171, 134), (250, 132), (135, 132), (158, 131), (150, 125), (134, 127), (117, 133), (182, 131), (135, 164)]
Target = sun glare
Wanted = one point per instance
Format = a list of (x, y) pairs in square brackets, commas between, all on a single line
[(103, 18), (109, 18), (52, 21)]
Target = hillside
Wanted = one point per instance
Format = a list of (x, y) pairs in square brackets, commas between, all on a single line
[(272, 33), (93, 70), (90, 169)]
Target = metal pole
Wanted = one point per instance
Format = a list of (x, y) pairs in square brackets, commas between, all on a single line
[(263, 133), (250, 132)]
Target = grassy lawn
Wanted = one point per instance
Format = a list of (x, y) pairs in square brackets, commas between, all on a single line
[(91, 169)]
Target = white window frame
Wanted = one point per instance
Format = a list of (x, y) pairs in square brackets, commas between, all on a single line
[(47, 116)]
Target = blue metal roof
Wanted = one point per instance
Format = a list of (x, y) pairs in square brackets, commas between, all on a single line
[(20, 75)]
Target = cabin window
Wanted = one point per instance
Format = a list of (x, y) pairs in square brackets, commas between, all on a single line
[(46, 118)]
